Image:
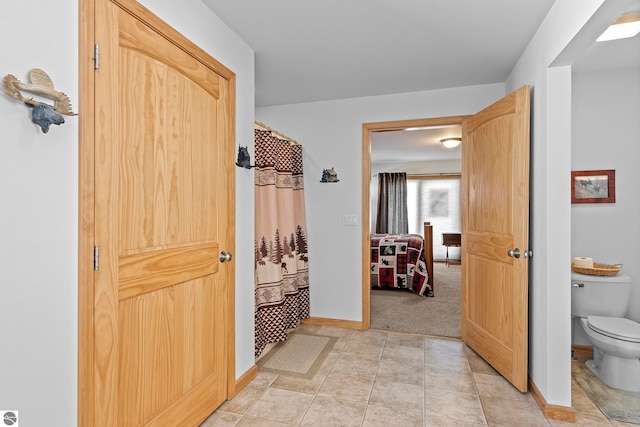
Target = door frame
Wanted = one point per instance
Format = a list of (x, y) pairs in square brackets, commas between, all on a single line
[(86, 202), (367, 129)]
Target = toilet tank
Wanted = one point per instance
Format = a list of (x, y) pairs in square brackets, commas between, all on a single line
[(600, 295)]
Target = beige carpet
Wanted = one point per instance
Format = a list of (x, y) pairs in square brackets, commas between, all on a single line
[(301, 355), (403, 311)]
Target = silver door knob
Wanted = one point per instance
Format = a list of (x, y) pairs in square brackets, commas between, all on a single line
[(514, 253), (225, 256)]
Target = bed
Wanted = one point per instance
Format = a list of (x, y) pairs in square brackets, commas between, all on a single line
[(399, 261)]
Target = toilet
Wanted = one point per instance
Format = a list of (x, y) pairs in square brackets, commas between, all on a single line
[(600, 303)]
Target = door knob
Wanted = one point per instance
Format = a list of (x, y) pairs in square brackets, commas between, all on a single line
[(225, 256), (514, 253)]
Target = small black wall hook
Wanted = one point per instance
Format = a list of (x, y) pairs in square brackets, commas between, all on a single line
[(244, 160), (329, 175)]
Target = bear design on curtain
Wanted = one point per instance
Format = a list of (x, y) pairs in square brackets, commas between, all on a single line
[(281, 260)]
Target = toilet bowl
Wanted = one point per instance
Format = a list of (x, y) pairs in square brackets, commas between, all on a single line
[(600, 303), (616, 351)]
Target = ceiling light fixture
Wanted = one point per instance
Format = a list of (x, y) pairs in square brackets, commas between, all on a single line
[(451, 142), (628, 25)]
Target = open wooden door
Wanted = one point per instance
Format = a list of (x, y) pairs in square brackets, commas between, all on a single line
[(495, 235), (157, 332)]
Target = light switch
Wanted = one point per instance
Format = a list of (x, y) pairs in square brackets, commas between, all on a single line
[(350, 219)]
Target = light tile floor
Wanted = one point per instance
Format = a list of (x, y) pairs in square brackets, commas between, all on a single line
[(375, 378)]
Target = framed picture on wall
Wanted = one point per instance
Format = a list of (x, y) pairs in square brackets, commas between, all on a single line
[(596, 186)]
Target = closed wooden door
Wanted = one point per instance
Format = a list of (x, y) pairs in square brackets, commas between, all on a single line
[(495, 235), (162, 338)]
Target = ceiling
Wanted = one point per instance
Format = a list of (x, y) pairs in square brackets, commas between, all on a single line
[(332, 49), (414, 145), (309, 51)]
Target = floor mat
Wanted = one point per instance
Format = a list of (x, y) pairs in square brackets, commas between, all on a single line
[(301, 355), (615, 404)]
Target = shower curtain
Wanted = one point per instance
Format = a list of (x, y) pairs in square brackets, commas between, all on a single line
[(281, 261)]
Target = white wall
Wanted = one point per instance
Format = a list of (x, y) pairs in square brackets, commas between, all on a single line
[(331, 135), (605, 135), (39, 222), (549, 308), (39, 203)]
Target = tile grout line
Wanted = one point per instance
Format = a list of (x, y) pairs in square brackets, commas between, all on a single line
[(475, 385), (315, 394)]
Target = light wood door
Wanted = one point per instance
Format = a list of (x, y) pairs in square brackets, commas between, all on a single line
[(495, 219), (164, 200)]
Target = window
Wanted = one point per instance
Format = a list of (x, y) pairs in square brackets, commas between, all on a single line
[(435, 199)]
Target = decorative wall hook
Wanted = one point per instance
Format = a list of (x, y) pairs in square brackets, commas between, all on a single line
[(329, 175), (43, 115), (244, 159)]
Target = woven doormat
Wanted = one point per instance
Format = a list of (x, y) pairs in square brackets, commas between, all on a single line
[(301, 355), (615, 404)]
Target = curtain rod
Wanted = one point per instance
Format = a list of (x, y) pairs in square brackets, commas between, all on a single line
[(442, 174), (281, 135)]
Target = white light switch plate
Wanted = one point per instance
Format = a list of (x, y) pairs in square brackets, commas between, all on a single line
[(349, 219)]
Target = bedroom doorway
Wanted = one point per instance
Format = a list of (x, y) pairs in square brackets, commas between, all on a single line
[(384, 301)]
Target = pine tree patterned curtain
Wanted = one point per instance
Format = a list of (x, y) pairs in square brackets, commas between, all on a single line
[(392, 214), (281, 272)]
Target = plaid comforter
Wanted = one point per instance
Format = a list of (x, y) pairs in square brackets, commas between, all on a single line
[(398, 261)]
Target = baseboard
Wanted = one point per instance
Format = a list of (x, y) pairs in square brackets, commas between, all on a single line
[(552, 412), (585, 351), (323, 321), (243, 381)]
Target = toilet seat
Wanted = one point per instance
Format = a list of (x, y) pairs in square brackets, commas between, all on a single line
[(615, 327)]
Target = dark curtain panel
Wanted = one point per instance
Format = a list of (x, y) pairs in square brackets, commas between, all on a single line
[(392, 203)]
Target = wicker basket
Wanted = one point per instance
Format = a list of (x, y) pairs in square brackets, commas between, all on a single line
[(598, 269)]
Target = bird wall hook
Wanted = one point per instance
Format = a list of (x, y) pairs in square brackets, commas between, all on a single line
[(44, 115)]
